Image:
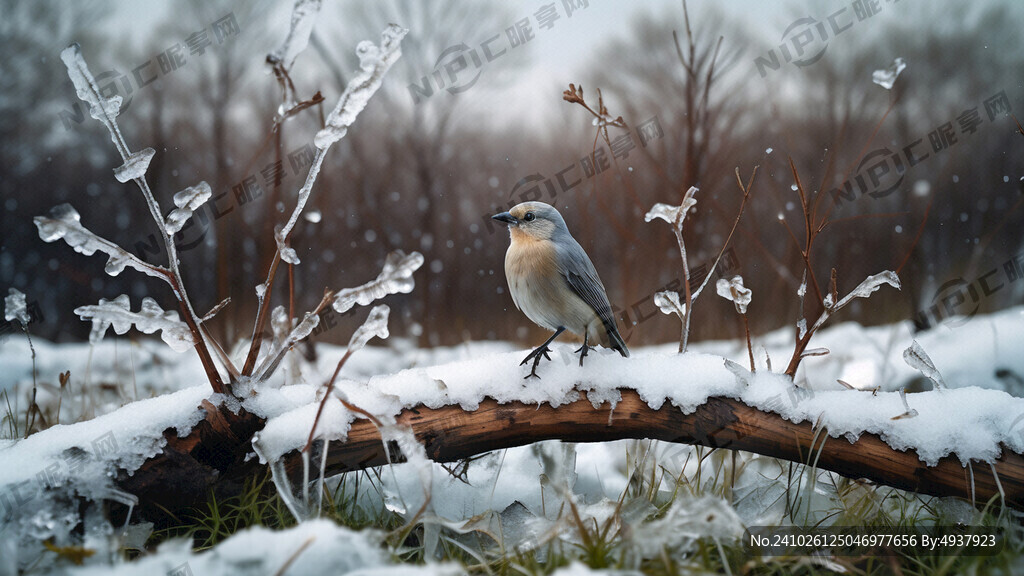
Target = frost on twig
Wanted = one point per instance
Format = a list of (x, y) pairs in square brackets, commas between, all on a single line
[(65, 222), (918, 359), (151, 317), (395, 278), (187, 201), (15, 308), (287, 252)]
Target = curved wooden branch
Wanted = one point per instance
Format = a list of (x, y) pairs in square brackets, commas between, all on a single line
[(450, 434)]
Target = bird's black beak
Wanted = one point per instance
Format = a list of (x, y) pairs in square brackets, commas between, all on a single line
[(507, 218)]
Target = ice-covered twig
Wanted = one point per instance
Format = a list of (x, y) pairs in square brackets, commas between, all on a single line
[(676, 217), (734, 291), (187, 201), (65, 222), (376, 325), (304, 14), (16, 310), (831, 304), (863, 290), (282, 344), (151, 317), (374, 62), (15, 307), (887, 77), (134, 168), (918, 359), (395, 278)]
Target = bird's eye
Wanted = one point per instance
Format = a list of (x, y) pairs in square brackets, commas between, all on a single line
[(529, 217)]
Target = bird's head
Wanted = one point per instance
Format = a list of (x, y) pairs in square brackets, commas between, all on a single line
[(533, 221)]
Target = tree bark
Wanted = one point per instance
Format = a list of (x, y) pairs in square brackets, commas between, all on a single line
[(451, 434)]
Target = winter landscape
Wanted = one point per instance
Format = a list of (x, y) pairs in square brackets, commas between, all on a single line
[(258, 317)]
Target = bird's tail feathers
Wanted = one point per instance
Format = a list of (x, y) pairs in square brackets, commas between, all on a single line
[(617, 343)]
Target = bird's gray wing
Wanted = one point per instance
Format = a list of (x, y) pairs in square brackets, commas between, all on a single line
[(580, 274)]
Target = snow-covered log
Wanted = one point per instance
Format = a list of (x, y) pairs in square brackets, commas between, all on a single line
[(451, 433), (213, 455)]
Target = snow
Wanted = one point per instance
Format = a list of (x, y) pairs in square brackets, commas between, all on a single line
[(15, 307), (886, 77), (963, 419), (314, 547), (188, 201)]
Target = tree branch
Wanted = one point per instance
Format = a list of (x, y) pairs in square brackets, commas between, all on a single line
[(450, 434)]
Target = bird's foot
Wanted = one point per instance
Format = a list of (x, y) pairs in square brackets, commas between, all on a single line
[(536, 355), (583, 350)]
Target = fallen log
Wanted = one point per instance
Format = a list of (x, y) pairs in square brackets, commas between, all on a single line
[(214, 455), (451, 433)]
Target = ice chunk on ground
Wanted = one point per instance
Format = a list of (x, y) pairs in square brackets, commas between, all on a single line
[(15, 307), (886, 77)]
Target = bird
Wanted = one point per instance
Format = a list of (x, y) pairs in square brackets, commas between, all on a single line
[(552, 281)]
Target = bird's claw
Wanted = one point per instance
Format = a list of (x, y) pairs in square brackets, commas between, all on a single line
[(583, 352), (536, 355)]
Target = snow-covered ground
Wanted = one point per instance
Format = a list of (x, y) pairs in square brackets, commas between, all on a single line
[(516, 491)]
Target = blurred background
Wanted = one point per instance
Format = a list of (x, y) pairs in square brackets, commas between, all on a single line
[(925, 176)]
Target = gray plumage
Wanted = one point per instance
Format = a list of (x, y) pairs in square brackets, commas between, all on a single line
[(552, 280)]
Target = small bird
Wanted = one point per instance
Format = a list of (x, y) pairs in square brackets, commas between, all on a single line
[(554, 283)]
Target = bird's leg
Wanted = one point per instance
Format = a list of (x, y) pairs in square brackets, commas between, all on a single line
[(584, 349), (541, 352)]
